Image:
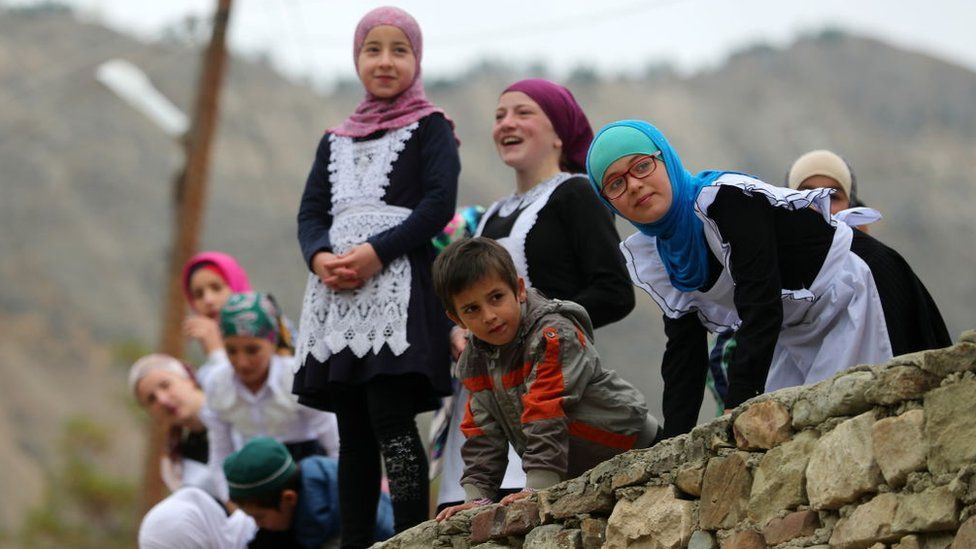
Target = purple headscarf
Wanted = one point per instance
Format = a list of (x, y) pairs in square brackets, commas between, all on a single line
[(567, 117), (373, 113)]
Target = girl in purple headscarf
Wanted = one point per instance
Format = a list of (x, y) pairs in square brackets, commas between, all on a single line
[(561, 242), (372, 347)]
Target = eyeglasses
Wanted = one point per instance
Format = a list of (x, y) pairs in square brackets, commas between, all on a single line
[(641, 168)]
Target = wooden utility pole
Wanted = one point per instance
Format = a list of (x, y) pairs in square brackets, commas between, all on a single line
[(190, 201)]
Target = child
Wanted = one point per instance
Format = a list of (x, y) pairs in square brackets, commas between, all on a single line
[(190, 519), (533, 376), (167, 389), (282, 495), (209, 278), (249, 396), (722, 250), (373, 348)]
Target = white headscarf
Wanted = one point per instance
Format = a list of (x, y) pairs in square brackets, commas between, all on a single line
[(192, 519)]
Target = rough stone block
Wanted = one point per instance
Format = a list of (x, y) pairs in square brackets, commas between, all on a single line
[(966, 536), (422, 535), (938, 541), (793, 525), (869, 523), (899, 383), (843, 395), (593, 532), (635, 473), (942, 362), (899, 445), (702, 539), (746, 539), (553, 536), (591, 499), (762, 426), (725, 492), (689, 479), (929, 511), (842, 465), (657, 519), (780, 479), (950, 433), (487, 524), (520, 517)]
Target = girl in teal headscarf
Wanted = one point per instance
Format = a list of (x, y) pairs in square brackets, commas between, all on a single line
[(721, 251)]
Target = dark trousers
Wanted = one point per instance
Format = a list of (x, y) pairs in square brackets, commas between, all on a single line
[(375, 419)]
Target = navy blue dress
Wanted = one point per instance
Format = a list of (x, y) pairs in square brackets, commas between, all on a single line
[(424, 179)]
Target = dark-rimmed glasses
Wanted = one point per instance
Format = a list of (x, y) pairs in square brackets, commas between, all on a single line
[(640, 168)]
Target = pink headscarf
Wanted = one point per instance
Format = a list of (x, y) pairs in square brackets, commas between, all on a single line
[(226, 266), (373, 113)]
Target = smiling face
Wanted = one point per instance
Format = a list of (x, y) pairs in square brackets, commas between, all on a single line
[(169, 396), (523, 134), (208, 292), (490, 309), (645, 199), (386, 62), (251, 359), (838, 201)]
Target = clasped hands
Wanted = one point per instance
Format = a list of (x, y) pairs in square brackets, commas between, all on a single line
[(349, 270)]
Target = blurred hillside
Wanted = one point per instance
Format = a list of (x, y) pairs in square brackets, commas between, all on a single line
[(86, 194)]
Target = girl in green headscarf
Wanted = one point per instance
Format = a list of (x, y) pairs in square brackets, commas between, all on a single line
[(251, 395)]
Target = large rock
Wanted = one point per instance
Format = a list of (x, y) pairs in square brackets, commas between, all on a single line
[(553, 536), (870, 523), (950, 432), (792, 526), (689, 479), (942, 362), (780, 479), (842, 466), (966, 536), (725, 492), (655, 520), (843, 395), (929, 511), (899, 445), (746, 539), (899, 383), (762, 426)]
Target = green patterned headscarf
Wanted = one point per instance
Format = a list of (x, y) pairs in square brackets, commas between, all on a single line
[(250, 314)]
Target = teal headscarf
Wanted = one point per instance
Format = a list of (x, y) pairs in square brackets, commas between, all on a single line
[(679, 233), (250, 314)]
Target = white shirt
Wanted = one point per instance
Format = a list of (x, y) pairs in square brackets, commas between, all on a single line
[(233, 414)]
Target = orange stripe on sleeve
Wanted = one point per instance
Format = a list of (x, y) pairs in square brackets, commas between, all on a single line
[(475, 384), (468, 426), (599, 436), (516, 377), (544, 400)]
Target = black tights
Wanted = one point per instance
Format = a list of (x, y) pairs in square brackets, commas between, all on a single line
[(375, 418)]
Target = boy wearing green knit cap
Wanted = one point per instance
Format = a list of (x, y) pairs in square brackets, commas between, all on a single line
[(281, 495)]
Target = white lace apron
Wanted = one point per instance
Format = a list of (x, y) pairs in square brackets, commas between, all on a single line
[(375, 314), (532, 201), (834, 324)]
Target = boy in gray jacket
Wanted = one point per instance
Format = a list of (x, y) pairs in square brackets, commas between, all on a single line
[(534, 379)]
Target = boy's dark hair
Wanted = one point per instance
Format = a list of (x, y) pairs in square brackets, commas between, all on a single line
[(467, 261), (272, 498)]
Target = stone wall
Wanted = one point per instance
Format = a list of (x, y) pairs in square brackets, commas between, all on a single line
[(876, 457)]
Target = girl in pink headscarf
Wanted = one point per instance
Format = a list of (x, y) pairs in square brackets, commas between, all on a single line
[(209, 279), (373, 344)]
